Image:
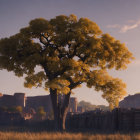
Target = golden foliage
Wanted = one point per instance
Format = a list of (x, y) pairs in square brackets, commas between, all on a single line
[(60, 84)]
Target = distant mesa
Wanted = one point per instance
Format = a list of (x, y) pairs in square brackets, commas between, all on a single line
[(131, 101)]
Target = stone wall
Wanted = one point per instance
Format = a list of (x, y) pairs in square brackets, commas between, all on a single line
[(7, 118), (19, 99), (37, 101)]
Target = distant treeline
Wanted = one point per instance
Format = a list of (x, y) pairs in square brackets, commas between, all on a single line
[(88, 106)]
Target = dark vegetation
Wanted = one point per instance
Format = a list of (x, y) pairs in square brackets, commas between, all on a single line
[(11, 109)]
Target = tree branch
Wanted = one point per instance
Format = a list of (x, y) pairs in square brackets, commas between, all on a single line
[(62, 71), (40, 39), (48, 74), (74, 52), (73, 85)]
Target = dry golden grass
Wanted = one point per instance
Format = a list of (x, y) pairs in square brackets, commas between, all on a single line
[(65, 136)]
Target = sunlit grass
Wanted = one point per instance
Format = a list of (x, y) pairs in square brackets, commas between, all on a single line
[(65, 136)]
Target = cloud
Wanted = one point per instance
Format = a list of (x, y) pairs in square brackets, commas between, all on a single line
[(125, 28), (113, 26), (131, 21)]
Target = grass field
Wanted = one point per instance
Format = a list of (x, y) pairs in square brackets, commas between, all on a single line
[(40, 133), (65, 136)]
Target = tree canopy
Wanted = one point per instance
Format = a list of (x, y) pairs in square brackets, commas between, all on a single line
[(69, 52)]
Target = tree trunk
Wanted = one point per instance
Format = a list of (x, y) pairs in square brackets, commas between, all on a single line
[(60, 110)]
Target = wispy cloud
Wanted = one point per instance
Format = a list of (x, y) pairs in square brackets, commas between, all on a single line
[(113, 26), (131, 21), (126, 27)]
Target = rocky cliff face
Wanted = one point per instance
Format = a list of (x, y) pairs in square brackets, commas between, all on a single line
[(131, 101)]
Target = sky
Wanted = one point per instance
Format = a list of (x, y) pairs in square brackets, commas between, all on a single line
[(119, 18)]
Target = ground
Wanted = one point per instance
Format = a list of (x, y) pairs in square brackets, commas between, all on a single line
[(24, 134)]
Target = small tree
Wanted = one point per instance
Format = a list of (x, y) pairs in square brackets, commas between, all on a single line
[(14, 109), (40, 112), (19, 109), (69, 52)]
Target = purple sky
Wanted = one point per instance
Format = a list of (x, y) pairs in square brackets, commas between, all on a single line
[(120, 18)]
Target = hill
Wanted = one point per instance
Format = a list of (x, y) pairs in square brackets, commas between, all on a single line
[(88, 106)]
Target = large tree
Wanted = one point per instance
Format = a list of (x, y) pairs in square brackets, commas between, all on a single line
[(69, 52)]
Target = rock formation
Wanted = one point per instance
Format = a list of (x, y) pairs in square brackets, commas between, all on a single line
[(131, 101)]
